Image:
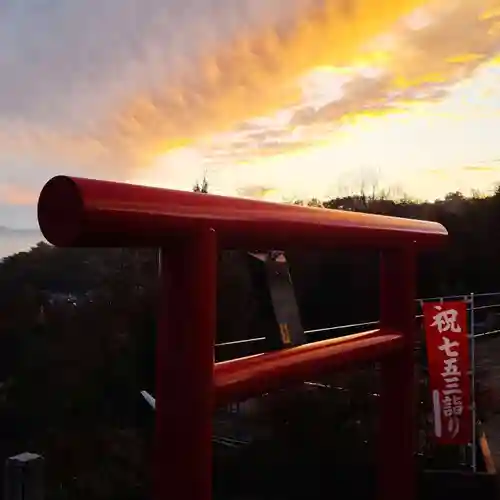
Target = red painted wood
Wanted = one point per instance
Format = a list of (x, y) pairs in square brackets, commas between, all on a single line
[(83, 212), (398, 424), (254, 375), (184, 369)]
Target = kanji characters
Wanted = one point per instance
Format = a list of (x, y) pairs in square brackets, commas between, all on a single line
[(446, 320), (458, 407), (453, 427), (450, 367), (447, 346), (446, 334)]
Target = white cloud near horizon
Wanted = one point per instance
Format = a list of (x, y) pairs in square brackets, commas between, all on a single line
[(265, 99)]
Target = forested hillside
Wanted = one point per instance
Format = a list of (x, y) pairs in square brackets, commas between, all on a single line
[(77, 334)]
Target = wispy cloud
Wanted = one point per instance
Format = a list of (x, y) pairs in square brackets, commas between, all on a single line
[(17, 194), (481, 169), (417, 62), (129, 88), (420, 64), (113, 84)]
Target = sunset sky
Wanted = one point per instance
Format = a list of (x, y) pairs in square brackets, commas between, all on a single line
[(277, 99)]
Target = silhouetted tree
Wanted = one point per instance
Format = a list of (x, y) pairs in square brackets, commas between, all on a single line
[(203, 187), (77, 332)]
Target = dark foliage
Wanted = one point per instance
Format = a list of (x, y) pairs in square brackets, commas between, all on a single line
[(77, 337)]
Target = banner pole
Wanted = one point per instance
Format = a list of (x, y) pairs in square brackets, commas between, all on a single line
[(473, 382)]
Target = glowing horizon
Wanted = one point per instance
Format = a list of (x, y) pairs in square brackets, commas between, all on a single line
[(406, 131), (311, 101)]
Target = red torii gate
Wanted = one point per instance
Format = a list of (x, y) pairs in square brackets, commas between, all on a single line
[(189, 228)]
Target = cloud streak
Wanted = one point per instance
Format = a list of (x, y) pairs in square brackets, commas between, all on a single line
[(416, 64), (17, 194), (115, 83), (107, 88)]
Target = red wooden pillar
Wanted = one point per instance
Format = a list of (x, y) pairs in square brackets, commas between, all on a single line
[(185, 362), (396, 463)]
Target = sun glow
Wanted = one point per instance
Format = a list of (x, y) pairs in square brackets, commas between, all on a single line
[(385, 108)]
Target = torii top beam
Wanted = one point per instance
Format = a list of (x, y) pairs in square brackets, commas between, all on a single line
[(91, 213)]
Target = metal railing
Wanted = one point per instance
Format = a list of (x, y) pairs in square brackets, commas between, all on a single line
[(478, 304), (475, 308)]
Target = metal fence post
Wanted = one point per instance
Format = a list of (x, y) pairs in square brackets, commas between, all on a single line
[(397, 466), (24, 477)]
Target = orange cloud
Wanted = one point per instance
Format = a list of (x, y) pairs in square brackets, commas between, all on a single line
[(120, 113), (251, 76), (257, 72), (481, 169), (17, 195), (420, 65)]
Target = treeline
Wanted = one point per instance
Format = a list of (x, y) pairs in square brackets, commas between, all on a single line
[(77, 333)]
